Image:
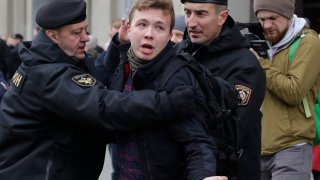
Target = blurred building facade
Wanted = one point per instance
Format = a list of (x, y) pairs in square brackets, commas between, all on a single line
[(17, 16)]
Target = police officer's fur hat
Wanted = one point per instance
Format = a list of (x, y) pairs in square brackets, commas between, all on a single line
[(56, 13), (222, 2)]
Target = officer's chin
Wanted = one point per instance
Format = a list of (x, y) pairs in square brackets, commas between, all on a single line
[(80, 56)]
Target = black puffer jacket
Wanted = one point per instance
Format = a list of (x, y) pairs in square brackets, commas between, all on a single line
[(55, 116), (179, 150), (228, 57)]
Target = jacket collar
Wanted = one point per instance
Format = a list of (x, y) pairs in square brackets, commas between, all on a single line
[(43, 50), (154, 68), (229, 38)]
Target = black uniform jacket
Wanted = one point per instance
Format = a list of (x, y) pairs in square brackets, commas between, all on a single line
[(55, 117), (169, 152), (228, 57)]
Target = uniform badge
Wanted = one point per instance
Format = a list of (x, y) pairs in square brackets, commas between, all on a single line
[(85, 80), (18, 80), (244, 94)]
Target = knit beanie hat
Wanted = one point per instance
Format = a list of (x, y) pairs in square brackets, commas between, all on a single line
[(179, 23), (283, 7)]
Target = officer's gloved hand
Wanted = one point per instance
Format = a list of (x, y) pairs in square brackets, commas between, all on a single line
[(182, 100)]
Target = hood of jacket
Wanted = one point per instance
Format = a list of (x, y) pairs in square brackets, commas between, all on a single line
[(293, 32), (42, 50), (228, 39)]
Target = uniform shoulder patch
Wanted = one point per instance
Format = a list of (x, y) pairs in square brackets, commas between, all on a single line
[(85, 80), (244, 94), (18, 80)]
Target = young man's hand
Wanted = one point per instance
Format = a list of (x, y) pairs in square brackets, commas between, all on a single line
[(123, 35)]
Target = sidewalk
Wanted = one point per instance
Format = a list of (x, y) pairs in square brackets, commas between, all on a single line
[(106, 171)]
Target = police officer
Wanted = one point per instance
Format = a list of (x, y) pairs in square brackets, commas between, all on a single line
[(55, 117), (216, 42)]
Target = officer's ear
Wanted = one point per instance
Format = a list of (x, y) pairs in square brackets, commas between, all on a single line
[(52, 34), (222, 17)]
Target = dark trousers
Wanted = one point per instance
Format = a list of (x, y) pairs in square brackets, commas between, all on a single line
[(316, 175)]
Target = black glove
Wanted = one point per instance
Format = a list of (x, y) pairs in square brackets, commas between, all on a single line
[(182, 100)]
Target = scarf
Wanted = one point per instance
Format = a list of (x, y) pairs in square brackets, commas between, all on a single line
[(134, 61)]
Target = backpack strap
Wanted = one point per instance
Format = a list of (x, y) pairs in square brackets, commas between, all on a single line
[(292, 51), (293, 48), (175, 64), (306, 107), (206, 82)]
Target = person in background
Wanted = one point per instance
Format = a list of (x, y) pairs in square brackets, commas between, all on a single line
[(14, 60), (4, 58), (178, 29), (14, 40), (36, 29), (293, 81), (213, 38), (4, 53), (3, 37), (56, 118), (91, 46), (115, 25)]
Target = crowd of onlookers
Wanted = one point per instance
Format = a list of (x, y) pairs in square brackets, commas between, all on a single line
[(9, 59)]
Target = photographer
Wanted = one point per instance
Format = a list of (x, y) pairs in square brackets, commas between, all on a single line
[(293, 79)]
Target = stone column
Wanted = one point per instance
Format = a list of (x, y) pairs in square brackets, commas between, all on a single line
[(3, 17)]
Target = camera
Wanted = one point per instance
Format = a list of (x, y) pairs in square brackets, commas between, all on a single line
[(253, 32)]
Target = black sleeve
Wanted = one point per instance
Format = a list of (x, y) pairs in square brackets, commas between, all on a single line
[(111, 59), (251, 84), (112, 56), (96, 107), (193, 133), (103, 74)]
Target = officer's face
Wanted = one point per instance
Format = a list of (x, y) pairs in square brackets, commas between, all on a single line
[(274, 25), (72, 39), (149, 32), (202, 21)]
